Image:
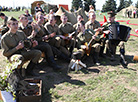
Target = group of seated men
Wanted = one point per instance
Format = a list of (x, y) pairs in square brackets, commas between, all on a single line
[(85, 38)]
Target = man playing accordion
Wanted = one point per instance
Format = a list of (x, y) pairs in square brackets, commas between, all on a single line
[(112, 30)]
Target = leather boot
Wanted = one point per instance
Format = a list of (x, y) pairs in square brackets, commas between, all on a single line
[(64, 57), (122, 56), (53, 64), (95, 58), (101, 51), (30, 68)]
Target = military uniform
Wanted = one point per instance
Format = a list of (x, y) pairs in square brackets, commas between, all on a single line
[(66, 29), (112, 43), (43, 46), (86, 36), (4, 28), (93, 25), (9, 41), (56, 41)]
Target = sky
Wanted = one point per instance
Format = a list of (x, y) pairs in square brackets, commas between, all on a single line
[(14, 3)]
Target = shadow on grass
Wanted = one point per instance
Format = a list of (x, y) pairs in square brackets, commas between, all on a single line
[(51, 79)]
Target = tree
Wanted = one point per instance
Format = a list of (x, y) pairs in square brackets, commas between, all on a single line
[(87, 3), (128, 3), (136, 5), (76, 4), (121, 5), (110, 5)]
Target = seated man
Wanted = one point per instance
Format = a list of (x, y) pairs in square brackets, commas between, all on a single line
[(12, 43), (37, 32), (66, 28), (88, 36), (53, 37), (4, 28), (112, 43)]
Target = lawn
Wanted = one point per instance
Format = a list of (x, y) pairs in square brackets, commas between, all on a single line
[(109, 82)]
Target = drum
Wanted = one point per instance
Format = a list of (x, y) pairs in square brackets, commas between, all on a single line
[(119, 32)]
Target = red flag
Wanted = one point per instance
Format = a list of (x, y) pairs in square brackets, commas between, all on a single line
[(105, 20)]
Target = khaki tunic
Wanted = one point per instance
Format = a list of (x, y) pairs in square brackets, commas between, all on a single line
[(28, 30), (92, 26), (66, 28), (86, 37), (55, 41), (9, 41)]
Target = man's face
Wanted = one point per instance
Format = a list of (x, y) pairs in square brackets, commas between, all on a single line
[(40, 19), (64, 19), (13, 25), (79, 18), (92, 16), (52, 20), (111, 19), (24, 19)]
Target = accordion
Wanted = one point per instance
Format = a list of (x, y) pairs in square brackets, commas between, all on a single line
[(119, 32)]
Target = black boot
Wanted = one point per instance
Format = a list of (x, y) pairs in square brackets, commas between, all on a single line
[(95, 58), (53, 64), (64, 57), (122, 56), (101, 52), (30, 68)]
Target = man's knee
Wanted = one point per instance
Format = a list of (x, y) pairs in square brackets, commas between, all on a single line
[(97, 47)]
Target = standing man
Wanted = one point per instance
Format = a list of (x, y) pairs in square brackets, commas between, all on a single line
[(38, 8), (112, 43), (12, 43)]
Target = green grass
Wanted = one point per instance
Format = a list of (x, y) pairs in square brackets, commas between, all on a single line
[(113, 83)]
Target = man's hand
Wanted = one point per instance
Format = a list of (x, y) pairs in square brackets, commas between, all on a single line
[(35, 43), (45, 37), (106, 32), (83, 47), (20, 45), (52, 35)]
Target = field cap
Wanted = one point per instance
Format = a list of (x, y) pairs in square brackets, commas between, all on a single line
[(111, 14)]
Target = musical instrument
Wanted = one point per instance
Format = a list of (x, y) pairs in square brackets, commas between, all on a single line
[(88, 45), (119, 32), (67, 37)]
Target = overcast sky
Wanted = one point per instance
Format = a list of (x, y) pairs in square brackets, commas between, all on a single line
[(14, 3)]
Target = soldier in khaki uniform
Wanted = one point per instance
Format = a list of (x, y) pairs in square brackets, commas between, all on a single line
[(66, 28), (4, 28), (37, 32), (112, 43), (84, 36), (79, 19), (11, 43), (54, 33), (92, 23)]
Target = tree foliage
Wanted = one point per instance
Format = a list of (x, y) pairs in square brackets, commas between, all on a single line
[(87, 3), (76, 4), (121, 5), (83, 4), (110, 5), (136, 5)]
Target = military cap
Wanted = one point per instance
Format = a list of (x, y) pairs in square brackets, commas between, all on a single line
[(111, 14), (11, 19)]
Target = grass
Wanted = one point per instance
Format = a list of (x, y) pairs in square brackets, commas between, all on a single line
[(109, 82)]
